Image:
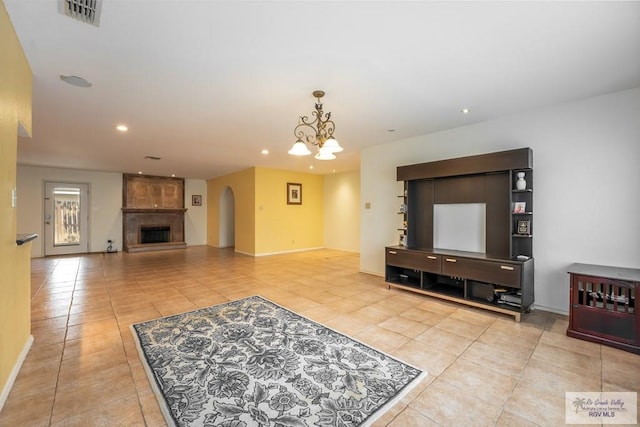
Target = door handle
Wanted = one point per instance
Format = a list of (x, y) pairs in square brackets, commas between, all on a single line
[(506, 267)]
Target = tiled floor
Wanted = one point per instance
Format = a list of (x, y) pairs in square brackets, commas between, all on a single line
[(484, 369)]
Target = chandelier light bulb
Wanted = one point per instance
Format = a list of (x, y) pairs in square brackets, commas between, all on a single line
[(332, 145), (324, 154), (299, 149)]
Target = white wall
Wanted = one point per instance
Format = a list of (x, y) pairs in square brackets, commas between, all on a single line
[(195, 219), (342, 211), (106, 204), (586, 193)]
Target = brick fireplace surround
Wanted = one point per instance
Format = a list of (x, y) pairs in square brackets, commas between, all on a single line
[(152, 201), (134, 219)]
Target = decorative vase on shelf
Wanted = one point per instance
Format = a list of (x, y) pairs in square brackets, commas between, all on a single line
[(521, 184)]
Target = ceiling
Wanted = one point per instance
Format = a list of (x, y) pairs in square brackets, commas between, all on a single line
[(207, 85)]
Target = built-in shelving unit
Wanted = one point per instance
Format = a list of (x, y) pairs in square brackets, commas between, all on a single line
[(500, 278)]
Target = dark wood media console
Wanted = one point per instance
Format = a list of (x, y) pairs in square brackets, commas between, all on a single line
[(504, 286), (500, 279)]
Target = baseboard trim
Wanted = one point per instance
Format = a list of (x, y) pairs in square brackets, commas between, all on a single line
[(15, 371), (288, 252), (279, 252), (550, 309)]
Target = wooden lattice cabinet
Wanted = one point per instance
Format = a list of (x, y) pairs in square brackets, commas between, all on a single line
[(603, 305)]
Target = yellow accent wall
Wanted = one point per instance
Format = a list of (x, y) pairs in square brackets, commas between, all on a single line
[(243, 186), (15, 280), (281, 227), (264, 223)]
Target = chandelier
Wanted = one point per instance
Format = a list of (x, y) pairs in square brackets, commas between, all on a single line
[(318, 132)]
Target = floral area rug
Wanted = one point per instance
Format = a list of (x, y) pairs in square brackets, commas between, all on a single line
[(252, 362)]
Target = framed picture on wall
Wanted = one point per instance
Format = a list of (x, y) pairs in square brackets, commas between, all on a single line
[(196, 200), (294, 193)]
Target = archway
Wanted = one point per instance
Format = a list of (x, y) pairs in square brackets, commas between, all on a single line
[(227, 230)]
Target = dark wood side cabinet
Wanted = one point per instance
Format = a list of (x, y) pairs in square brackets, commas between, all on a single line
[(501, 278), (603, 305)]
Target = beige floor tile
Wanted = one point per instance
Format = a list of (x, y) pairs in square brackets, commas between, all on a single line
[(509, 419), (567, 359), (543, 406), (122, 412), (548, 376), (504, 360), (479, 381), (575, 345), (425, 357), (461, 328), (475, 316), (472, 356), (407, 327), (348, 324), (32, 411), (409, 417), (624, 375), (444, 341), (372, 314), (449, 405), (382, 339)]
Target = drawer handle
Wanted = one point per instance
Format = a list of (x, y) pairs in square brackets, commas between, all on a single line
[(431, 257), (392, 252), (451, 260), (506, 267)]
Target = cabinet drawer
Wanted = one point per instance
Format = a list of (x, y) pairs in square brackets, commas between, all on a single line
[(415, 260), (484, 271)]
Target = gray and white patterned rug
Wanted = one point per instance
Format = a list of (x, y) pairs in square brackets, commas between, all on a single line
[(252, 362)]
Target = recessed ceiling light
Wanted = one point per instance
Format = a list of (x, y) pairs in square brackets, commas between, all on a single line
[(139, 172), (265, 151), (465, 111), (75, 81), (122, 128), (173, 175), (311, 167)]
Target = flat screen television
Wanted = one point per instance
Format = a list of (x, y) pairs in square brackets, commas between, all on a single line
[(460, 227)]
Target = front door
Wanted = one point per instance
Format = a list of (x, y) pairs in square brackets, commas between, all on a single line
[(66, 218)]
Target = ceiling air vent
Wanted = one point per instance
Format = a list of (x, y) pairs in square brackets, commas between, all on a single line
[(87, 11)]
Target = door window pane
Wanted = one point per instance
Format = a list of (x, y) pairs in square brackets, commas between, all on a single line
[(66, 202)]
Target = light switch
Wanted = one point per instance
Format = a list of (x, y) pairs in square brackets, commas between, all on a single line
[(14, 197), (367, 205)]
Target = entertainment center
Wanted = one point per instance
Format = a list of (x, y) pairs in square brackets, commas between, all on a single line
[(466, 229)]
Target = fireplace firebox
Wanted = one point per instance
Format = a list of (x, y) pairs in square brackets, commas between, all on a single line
[(157, 234)]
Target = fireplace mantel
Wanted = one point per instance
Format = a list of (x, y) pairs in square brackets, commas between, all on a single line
[(153, 210)]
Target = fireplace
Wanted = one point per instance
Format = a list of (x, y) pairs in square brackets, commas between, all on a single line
[(153, 229), (152, 213), (161, 234)]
